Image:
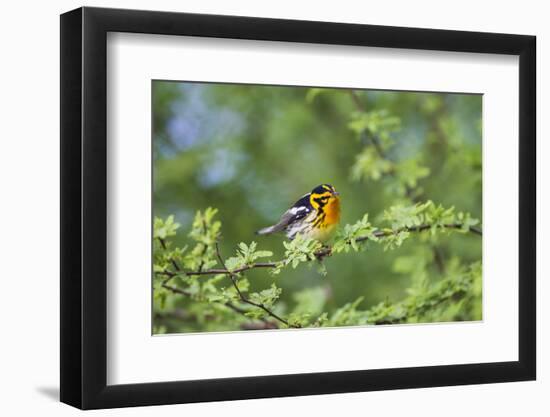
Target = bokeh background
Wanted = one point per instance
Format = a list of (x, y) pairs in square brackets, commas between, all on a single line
[(252, 150)]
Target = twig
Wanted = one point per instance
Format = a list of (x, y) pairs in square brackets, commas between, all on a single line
[(420, 228), (244, 299), (228, 304), (205, 247), (320, 254), (373, 138), (409, 191), (177, 290), (385, 233), (236, 271), (215, 271), (163, 244)]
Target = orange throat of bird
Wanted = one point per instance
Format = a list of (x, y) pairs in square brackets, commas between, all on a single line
[(332, 212)]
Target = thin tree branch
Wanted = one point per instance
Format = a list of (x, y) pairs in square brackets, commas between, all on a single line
[(266, 323), (236, 271), (205, 247), (420, 228), (373, 138), (385, 233), (409, 191), (177, 290), (320, 254), (243, 298), (163, 244)]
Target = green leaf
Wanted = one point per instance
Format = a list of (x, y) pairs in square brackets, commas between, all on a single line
[(301, 249), (374, 123), (164, 228), (348, 235), (266, 297), (262, 254), (348, 315), (370, 165), (233, 263), (410, 171)]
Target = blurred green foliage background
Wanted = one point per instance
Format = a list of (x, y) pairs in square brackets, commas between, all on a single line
[(251, 151)]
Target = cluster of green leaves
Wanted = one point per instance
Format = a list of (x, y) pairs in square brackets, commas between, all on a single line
[(205, 232), (378, 125), (403, 220), (246, 256), (437, 219), (169, 261), (213, 301), (216, 298), (164, 254), (428, 213), (450, 299), (347, 236), (301, 249), (454, 298), (375, 130)]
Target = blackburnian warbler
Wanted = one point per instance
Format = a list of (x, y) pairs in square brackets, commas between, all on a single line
[(314, 215)]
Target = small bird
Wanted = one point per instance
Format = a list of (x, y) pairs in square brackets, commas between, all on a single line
[(315, 215)]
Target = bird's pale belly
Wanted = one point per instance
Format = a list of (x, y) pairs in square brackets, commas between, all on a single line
[(322, 234)]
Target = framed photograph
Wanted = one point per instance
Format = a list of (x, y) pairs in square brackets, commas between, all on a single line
[(258, 208)]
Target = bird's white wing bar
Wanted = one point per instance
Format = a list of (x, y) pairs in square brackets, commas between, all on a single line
[(296, 210)]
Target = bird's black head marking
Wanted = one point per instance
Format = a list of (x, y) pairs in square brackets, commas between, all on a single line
[(321, 195), (323, 188)]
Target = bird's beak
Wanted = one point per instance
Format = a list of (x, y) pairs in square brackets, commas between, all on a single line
[(335, 193)]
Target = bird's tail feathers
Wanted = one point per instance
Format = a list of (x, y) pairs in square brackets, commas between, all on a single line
[(267, 230)]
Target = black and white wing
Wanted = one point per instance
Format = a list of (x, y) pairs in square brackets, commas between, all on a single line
[(298, 211)]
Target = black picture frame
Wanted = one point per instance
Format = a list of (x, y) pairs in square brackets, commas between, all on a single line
[(84, 207)]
